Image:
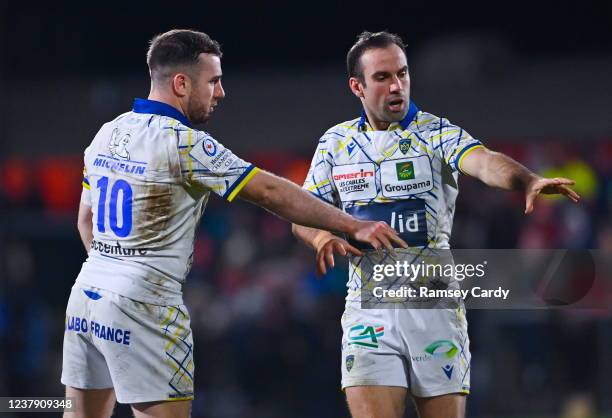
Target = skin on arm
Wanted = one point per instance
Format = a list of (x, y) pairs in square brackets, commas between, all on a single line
[(85, 225), (498, 170), (290, 202)]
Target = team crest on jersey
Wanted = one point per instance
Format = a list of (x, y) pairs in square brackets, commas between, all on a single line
[(350, 361), (404, 145), (118, 145)]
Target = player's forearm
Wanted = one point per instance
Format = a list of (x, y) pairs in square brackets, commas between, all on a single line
[(499, 170), (310, 236), (86, 236), (290, 202), (85, 225)]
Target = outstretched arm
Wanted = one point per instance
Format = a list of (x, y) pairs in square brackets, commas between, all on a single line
[(498, 170), (290, 202)]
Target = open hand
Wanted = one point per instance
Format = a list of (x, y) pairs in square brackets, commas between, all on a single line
[(556, 185), (326, 249), (377, 234)]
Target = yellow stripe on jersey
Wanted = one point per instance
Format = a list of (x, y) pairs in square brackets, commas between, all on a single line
[(189, 160), (168, 318), (186, 398), (424, 122), (465, 154), (450, 131), (351, 127), (319, 184), (243, 183), (86, 186)]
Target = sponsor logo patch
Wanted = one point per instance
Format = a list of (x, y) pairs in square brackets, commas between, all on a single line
[(408, 217), (209, 147), (118, 145), (441, 348), (355, 181), (213, 156), (405, 177), (365, 335), (405, 170)]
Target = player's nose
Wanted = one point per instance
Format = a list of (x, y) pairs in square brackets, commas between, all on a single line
[(396, 85), (219, 91)]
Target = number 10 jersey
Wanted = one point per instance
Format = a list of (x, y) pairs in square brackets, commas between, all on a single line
[(147, 178)]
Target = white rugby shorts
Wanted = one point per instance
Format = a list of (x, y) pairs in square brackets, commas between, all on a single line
[(424, 350), (143, 351)]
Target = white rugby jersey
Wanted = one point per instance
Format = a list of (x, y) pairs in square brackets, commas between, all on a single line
[(406, 176), (148, 175)]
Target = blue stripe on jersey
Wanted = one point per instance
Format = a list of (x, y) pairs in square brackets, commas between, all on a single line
[(456, 162), (318, 197), (430, 208), (238, 181), (154, 107), (412, 111)]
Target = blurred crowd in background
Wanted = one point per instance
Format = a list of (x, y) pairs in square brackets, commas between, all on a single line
[(267, 331)]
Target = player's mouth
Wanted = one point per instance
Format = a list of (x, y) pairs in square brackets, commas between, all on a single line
[(396, 105)]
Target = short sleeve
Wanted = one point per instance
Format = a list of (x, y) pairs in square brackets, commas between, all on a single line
[(85, 193), (319, 178), (210, 165), (454, 143)]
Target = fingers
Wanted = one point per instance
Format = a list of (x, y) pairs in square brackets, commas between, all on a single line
[(329, 256), (353, 250), (551, 186), (321, 269), (386, 242), (390, 236), (562, 180), (396, 239), (571, 194), (529, 202), (325, 256), (339, 247)]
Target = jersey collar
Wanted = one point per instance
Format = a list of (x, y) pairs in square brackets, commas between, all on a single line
[(158, 108), (412, 111)]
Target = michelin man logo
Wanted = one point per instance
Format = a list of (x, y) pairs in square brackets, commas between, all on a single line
[(118, 145)]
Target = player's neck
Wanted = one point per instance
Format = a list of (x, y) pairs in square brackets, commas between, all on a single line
[(170, 100), (377, 125)]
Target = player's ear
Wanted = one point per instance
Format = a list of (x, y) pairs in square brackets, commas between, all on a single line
[(356, 87), (181, 84)]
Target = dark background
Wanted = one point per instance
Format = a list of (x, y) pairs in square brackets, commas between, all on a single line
[(531, 79)]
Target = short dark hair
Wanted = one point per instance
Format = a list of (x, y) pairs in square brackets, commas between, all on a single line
[(178, 47), (368, 40)]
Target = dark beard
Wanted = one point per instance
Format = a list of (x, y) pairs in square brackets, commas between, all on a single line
[(196, 115)]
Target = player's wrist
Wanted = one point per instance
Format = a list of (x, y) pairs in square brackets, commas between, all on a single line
[(529, 180), (353, 227)]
